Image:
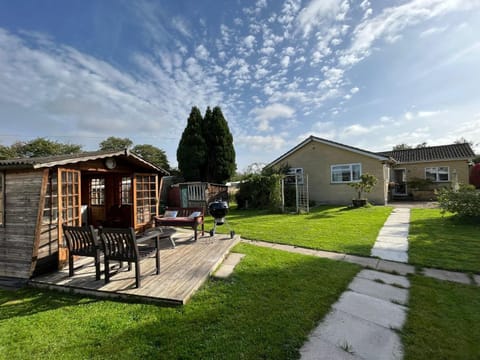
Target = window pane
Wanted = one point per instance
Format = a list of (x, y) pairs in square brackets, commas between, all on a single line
[(443, 174), (431, 174), (356, 173)]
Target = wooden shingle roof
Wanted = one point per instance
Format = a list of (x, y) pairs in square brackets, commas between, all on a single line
[(432, 153)]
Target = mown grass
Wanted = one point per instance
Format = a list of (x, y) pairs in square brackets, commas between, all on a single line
[(330, 228), (443, 241), (264, 311), (443, 321)]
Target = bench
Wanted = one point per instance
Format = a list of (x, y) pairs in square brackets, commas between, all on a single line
[(122, 245), (183, 218), (82, 241)]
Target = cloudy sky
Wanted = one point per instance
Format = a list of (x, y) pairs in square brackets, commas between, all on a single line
[(370, 74)]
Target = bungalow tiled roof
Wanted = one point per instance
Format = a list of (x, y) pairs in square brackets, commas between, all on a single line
[(432, 153)]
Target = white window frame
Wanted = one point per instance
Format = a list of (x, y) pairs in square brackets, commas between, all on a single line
[(436, 170), (298, 172), (351, 173)]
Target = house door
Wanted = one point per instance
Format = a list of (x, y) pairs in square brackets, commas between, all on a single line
[(400, 178), (69, 206)]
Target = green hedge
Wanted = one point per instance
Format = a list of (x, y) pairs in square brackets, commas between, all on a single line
[(260, 192), (465, 202)]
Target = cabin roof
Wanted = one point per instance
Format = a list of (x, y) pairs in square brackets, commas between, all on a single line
[(58, 160)]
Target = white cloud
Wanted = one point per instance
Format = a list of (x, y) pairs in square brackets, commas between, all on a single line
[(317, 12), (181, 25), (391, 21), (249, 41), (202, 53), (433, 30), (261, 143), (271, 112), (354, 90), (285, 61)]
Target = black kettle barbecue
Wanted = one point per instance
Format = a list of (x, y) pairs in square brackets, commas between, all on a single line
[(218, 210)]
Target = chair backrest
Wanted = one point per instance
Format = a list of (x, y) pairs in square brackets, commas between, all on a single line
[(81, 240), (119, 244)]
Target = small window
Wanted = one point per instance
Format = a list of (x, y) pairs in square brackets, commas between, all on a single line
[(437, 174), (346, 173), (126, 191), (2, 198), (296, 173), (97, 191)]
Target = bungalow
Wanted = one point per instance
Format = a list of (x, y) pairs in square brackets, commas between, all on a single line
[(331, 166), (38, 195)]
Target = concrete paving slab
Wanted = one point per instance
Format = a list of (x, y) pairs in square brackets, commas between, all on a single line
[(395, 267), (378, 311), (365, 339), (259, 243), (317, 349), (399, 256), (476, 279), (447, 275), (329, 255), (392, 239), (363, 261), (388, 245), (379, 290), (400, 232), (386, 278), (303, 251), (228, 265)]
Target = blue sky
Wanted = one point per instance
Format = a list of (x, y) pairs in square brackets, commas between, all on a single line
[(370, 74)]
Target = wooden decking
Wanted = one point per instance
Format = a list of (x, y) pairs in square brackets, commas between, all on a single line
[(182, 271)]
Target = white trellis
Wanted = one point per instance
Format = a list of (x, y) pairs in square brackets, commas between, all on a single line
[(300, 181)]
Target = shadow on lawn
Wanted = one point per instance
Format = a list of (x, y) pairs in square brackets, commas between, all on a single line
[(28, 301)]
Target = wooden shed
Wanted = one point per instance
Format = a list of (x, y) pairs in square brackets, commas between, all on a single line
[(38, 195)]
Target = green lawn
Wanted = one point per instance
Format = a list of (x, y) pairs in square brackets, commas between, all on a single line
[(443, 242), (264, 311), (443, 321), (331, 228)]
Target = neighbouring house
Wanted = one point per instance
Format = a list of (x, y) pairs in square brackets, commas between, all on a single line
[(38, 195), (420, 171), (331, 166)]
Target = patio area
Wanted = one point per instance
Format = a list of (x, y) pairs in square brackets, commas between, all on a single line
[(183, 270)]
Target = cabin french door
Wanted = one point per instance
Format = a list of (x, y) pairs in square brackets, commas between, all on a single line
[(69, 206)]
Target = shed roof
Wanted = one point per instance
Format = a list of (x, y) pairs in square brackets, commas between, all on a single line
[(432, 153), (58, 160), (312, 138)]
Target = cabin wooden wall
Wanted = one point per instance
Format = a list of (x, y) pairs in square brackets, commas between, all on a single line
[(23, 190)]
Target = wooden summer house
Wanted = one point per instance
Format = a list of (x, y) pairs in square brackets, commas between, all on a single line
[(38, 195)]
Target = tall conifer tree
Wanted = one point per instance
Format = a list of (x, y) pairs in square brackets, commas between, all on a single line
[(192, 151)]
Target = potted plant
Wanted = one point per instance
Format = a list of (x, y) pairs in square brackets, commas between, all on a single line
[(365, 185)]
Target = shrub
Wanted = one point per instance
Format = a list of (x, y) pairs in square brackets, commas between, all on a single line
[(465, 202), (260, 192), (420, 184), (365, 185)]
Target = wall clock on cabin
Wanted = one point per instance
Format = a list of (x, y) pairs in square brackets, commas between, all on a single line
[(110, 163)]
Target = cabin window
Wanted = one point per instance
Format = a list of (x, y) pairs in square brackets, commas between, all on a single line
[(345, 173), (2, 198), (126, 191), (97, 191), (50, 210), (437, 174), (146, 196)]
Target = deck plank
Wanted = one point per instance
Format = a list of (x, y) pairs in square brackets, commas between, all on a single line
[(183, 270)]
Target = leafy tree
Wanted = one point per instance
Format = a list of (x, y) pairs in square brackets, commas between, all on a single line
[(192, 149), (365, 185), (113, 143), (44, 147), (422, 145), (153, 155), (7, 152), (220, 151), (402, 147)]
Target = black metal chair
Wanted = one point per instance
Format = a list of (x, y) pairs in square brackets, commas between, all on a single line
[(121, 245), (82, 241)]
